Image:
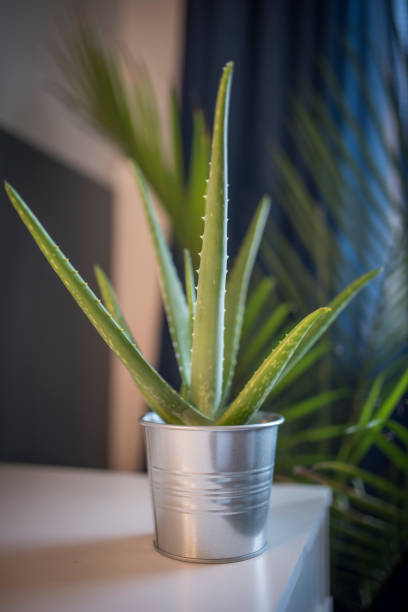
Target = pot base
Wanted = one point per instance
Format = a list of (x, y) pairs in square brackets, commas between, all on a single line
[(207, 561)]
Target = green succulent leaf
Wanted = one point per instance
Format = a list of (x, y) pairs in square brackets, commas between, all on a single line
[(111, 303), (336, 306), (259, 386), (168, 404), (208, 338), (237, 289), (196, 185), (190, 287), (175, 304), (302, 366)]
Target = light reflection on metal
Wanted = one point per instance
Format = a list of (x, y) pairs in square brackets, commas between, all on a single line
[(211, 487)]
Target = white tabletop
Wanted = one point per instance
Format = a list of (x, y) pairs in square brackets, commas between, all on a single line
[(81, 540)]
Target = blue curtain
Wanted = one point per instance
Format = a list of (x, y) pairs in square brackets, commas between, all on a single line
[(277, 46), (274, 46)]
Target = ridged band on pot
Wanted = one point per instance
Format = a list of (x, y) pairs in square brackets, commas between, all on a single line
[(211, 487)]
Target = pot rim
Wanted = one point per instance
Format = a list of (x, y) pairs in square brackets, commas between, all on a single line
[(263, 419)]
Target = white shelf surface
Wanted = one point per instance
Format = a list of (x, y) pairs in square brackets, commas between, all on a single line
[(76, 539)]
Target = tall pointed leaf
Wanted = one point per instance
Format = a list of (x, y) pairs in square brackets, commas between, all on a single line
[(196, 186), (208, 338), (257, 388), (172, 292), (190, 286), (159, 395), (336, 306), (237, 289), (302, 366), (111, 303)]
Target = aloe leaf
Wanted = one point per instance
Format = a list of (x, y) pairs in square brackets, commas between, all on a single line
[(190, 287), (168, 404), (260, 384), (196, 186), (173, 297), (336, 306), (302, 366), (237, 289), (111, 303), (208, 335)]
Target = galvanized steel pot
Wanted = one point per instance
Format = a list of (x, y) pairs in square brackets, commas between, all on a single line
[(211, 487)]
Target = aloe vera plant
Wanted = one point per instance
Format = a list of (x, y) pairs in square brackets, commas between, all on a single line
[(205, 321)]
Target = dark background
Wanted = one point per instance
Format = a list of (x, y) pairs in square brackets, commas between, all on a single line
[(54, 368)]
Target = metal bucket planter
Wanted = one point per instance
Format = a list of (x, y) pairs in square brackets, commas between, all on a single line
[(211, 488)]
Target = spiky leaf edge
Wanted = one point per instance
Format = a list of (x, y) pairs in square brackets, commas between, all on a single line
[(237, 289), (252, 396), (168, 404), (208, 335), (175, 304), (111, 303)]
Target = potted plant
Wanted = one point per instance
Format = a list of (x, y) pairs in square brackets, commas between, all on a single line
[(210, 459)]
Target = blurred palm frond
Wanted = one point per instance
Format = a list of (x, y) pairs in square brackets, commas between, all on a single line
[(343, 194), (369, 516), (117, 98)]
